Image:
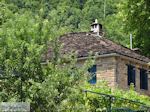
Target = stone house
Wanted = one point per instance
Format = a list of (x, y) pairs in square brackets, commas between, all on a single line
[(116, 64)]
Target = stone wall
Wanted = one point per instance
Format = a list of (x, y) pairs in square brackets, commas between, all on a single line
[(106, 67), (121, 73), (113, 70)]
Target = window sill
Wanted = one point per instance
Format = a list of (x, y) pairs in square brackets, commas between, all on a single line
[(144, 89)]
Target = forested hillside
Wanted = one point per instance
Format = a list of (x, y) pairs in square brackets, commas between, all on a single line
[(27, 26), (120, 18)]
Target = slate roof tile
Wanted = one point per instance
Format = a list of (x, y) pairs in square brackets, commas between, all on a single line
[(84, 42)]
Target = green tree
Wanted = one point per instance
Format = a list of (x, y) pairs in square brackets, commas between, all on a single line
[(136, 17), (27, 29)]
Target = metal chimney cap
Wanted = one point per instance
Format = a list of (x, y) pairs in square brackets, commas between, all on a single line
[(96, 21)]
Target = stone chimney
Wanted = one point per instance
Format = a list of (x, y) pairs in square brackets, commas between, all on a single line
[(96, 27)]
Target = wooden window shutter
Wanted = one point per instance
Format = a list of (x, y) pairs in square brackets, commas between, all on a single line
[(92, 72), (143, 79), (131, 75)]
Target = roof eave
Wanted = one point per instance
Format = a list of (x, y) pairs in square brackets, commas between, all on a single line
[(119, 55)]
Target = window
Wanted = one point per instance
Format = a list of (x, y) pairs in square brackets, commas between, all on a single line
[(92, 72), (143, 79), (131, 75)]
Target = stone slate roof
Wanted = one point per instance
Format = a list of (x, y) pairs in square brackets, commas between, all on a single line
[(83, 43)]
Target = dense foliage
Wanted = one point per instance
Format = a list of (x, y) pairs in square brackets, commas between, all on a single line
[(27, 26), (119, 18), (135, 15)]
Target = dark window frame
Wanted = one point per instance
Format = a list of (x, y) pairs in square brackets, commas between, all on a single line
[(93, 74), (131, 75), (143, 79)]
